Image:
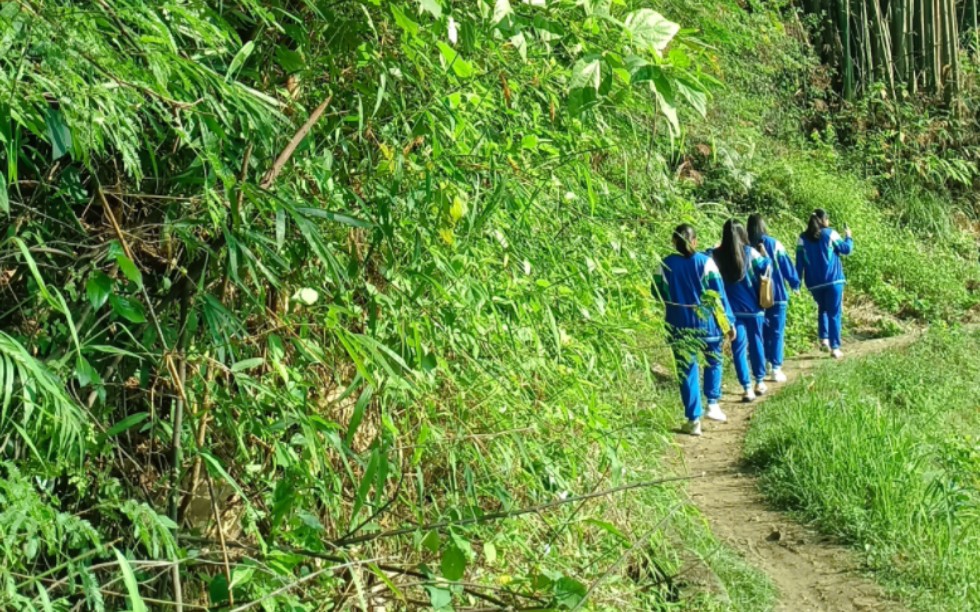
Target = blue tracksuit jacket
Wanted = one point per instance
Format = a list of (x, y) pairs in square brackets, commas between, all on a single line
[(744, 294), (783, 270), (818, 261), (682, 283)]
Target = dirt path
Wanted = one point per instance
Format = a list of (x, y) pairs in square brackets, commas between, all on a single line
[(809, 572)]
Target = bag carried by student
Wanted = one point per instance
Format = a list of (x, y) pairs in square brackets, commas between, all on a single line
[(767, 298)]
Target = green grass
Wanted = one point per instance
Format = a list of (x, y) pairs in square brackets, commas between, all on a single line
[(882, 453)]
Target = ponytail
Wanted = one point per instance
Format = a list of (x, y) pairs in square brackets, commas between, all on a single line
[(684, 236), (730, 256), (817, 223), (757, 229)]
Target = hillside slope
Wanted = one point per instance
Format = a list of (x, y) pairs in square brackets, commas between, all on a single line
[(310, 301)]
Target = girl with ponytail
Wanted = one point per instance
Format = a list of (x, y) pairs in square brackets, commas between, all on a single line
[(741, 268), (818, 263), (698, 319), (783, 273)]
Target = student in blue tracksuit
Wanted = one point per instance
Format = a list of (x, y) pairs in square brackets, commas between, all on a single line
[(698, 318), (783, 273), (741, 267), (818, 262)]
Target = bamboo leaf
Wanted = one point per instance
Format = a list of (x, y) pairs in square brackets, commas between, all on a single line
[(132, 587), (126, 424), (4, 197), (240, 58)]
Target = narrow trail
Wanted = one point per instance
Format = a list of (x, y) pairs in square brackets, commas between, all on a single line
[(809, 572)]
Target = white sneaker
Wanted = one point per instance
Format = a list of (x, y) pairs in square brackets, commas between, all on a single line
[(837, 354), (825, 345), (715, 413), (692, 428), (749, 395), (761, 388), (777, 375)]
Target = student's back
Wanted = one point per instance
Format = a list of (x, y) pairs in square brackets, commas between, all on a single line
[(743, 295), (686, 279), (818, 261), (782, 269)]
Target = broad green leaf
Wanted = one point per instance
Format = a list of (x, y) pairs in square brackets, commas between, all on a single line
[(569, 592), (458, 209), (695, 95), (432, 6), (461, 67), (218, 590), (98, 288), (490, 553), (290, 61), (403, 21), (58, 134), (439, 598), (651, 29), (85, 373), (431, 541), (128, 423), (136, 603), (666, 102), (429, 362), (453, 564), (599, 8), (585, 83), (127, 308), (520, 43), (130, 270), (501, 10)]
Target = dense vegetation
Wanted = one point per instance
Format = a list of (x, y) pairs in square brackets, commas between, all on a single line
[(310, 301), (882, 452)]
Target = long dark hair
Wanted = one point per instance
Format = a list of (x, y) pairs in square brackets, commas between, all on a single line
[(684, 236), (757, 229), (730, 256), (818, 221)]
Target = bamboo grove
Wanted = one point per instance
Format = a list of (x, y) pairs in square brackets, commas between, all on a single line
[(271, 289), (910, 44)]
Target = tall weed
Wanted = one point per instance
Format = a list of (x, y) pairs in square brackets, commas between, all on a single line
[(880, 452)]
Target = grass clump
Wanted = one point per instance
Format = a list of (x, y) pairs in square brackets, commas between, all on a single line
[(881, 453)]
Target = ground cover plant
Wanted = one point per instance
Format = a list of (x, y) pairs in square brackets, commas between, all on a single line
[(882, 453)]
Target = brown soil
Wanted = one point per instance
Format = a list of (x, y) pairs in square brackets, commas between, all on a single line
[(809, 571)]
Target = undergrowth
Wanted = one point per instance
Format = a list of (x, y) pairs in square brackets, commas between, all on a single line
[(882, 453), (246, 363)]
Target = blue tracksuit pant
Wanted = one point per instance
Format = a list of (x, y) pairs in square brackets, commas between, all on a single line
[(773, 334), (687, 372), (748, 346), (830, 306)]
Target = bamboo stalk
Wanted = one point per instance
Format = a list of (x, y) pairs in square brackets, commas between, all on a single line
[(898, 37), (952, 51), (845, 18)]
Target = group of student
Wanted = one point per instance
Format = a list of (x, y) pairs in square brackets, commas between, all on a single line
[(714, 294)]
